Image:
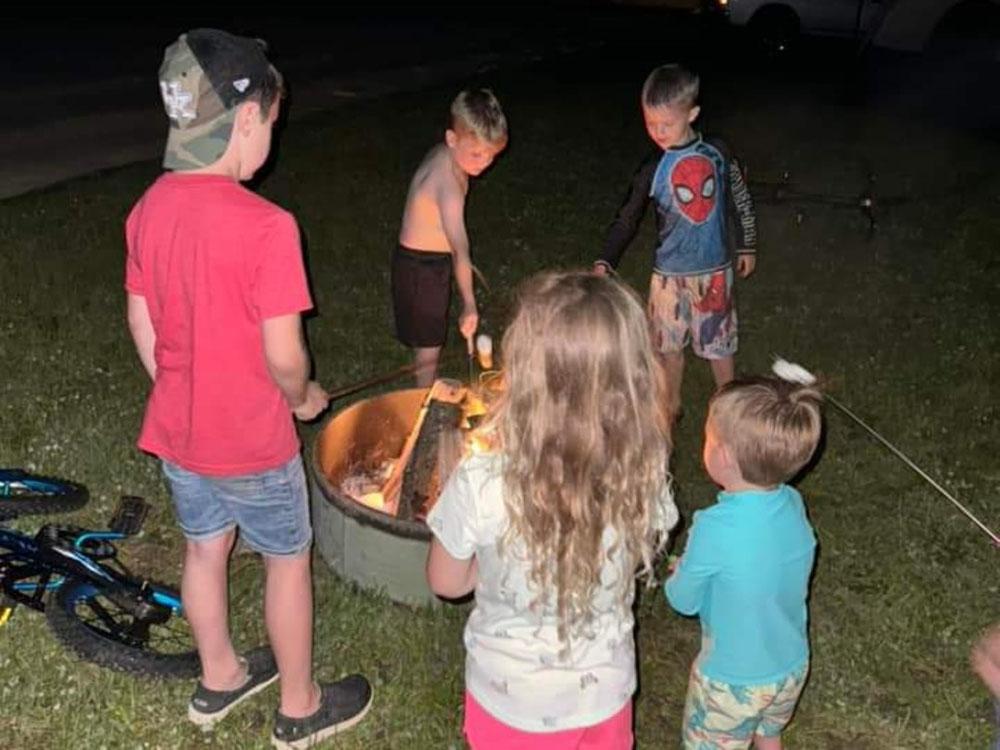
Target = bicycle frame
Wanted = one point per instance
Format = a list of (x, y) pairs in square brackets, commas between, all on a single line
[(34, 566)]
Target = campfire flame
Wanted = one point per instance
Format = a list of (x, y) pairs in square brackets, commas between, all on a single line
[(369, 486), (477, 444)]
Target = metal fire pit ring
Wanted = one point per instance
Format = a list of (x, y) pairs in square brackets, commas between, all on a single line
[(372, 549)]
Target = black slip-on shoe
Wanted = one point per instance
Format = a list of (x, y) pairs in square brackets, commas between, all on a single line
[(342, 705), (209, 706)]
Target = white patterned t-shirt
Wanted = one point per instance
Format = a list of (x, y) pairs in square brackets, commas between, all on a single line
[(515, 665)]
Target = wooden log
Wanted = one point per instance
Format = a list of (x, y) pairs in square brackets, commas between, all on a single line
[(421, 471), (447, 393)]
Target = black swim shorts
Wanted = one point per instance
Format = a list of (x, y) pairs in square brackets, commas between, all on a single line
[(421, 292)]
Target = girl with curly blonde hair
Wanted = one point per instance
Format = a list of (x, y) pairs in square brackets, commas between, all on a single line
[(551, 528)]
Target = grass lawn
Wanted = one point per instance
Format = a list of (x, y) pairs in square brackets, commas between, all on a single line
[(903, 327)]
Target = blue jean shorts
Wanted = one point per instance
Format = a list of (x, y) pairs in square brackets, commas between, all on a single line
[(270, 509)]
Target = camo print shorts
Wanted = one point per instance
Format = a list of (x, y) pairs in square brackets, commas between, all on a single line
[(694, 309), (720, 716)]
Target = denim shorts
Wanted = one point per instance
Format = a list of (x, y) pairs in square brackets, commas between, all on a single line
[(270, 509)]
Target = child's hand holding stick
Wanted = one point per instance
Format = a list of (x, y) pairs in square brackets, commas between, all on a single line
[(471, 348)]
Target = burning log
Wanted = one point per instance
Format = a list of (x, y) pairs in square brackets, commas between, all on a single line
[(443, 432), (408, 488)]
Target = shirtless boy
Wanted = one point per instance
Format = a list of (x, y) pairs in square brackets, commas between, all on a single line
[(433, 240)]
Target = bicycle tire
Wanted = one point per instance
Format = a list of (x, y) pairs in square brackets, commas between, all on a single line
[(35, 495), (94, 640)]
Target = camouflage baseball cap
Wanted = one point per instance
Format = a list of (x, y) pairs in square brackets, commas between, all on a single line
[(206, 74)]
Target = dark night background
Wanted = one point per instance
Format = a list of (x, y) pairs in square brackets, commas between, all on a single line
[(898, 319), (61, 64)]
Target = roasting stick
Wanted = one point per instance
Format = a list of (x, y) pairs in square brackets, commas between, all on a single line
[(350, 388), (798, 374), (361, 385), (472, 360)]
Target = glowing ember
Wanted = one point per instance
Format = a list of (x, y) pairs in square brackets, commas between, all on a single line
[(374, 500), (365, 486)]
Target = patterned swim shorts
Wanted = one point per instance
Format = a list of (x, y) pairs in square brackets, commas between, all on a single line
[(697, 309), (721, 716)]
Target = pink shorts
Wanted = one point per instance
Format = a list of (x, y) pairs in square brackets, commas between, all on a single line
[(484, 732)]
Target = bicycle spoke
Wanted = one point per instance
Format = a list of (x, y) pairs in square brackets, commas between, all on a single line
[(102, 614), (114, 622)]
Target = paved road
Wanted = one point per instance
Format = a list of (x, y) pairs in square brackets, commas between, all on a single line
[(80, 92), (86, 97)]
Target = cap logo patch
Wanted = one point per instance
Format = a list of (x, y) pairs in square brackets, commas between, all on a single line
[(241, 84), (177, 101)]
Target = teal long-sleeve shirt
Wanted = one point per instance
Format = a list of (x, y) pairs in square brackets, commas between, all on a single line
[(745, 573)]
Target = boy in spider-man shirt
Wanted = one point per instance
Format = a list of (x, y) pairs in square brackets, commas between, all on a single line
[(704, 219)]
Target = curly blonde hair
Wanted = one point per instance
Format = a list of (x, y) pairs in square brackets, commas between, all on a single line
[(584, 436)]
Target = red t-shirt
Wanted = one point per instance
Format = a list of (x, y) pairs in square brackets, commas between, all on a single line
[(213, 261)]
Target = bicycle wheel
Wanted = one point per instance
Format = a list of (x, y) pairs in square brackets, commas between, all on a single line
[(92, 622), (22, 493)]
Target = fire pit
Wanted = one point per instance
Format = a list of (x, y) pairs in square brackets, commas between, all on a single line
[(375, 472)]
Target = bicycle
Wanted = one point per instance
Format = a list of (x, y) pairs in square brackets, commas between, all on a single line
[(94, 605)]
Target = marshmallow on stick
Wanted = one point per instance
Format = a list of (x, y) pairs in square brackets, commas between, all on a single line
[(798, 374), (484, 348), (792, 372)]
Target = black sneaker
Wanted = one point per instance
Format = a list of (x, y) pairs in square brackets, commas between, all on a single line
[(342, 704), (208, 706)]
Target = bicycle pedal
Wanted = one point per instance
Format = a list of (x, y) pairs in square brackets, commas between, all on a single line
[(129, 515)]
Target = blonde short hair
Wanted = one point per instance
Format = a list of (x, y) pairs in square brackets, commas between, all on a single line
[(477, 111), (772, 426), (670, 85)]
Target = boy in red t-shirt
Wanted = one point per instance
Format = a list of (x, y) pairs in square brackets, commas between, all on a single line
[(216, 286)]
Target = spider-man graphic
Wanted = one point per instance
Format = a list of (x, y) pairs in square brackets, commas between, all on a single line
[(714, 301), (689, 190), (693, 183)]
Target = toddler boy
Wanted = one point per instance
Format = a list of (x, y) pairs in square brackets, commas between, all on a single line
[(745, 570)]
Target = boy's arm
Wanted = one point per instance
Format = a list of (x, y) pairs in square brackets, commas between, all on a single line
[(742, 206), (686, 588), (630, 213), (288, 364), (451, 203), (140, 325)]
